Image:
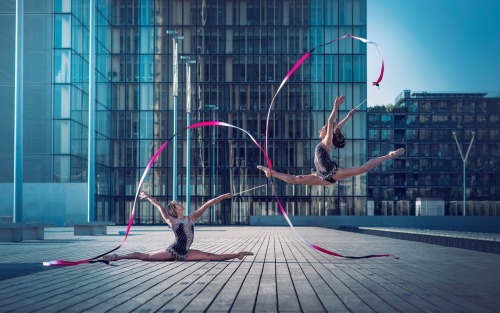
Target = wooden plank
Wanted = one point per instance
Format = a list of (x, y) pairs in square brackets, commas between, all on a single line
[(284, 275)]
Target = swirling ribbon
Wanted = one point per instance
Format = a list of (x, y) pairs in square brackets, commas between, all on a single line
[(150, 164), (269, 165), (305, 56)]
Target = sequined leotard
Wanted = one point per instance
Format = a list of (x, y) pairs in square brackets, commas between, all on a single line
[(184, 236), (325, 166)]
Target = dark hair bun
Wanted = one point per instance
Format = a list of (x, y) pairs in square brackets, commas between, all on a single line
[(338, 139)]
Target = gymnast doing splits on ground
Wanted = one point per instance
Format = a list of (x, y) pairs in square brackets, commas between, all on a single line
[(327, 170), (183, 228)]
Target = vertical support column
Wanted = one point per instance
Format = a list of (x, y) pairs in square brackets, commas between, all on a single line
[(91, 126), (175, 91), (188, 141), (175, 94), (212, 107), (212, 209), (188, 131), (18, 115), (463, 189)]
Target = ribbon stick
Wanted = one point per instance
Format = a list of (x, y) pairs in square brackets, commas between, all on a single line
[(239, 193), (269, 165), (360, 104), (150, 163)]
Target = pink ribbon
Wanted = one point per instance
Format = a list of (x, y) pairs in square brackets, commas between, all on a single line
[(306, 55), (375, 83), (269, 165), (150, 164)]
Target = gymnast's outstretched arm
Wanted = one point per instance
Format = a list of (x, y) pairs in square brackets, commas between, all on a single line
[(348, 116), (196, 214), (163, 212)]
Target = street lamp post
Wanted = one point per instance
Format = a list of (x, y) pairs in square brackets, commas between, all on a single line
[(464, 160), (188, 122), (17, 216), (212, 213), (175, 93), (92, 116)]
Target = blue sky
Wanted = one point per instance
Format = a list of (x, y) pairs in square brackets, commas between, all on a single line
[(433, 45)]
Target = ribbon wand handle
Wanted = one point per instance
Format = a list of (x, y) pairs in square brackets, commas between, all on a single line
[(360, 104), (239, 193)]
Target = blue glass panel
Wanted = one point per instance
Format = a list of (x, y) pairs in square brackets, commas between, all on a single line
[(61, 101), (62, 6), (62, 68), (317, 12)]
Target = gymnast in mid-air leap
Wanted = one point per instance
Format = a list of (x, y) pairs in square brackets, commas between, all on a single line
[(327, 170)]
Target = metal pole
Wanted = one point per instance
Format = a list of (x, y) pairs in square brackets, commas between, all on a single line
[(91, 126), (463, 190), (188, 141), (17, 216), (212, 209), (213, 166), (188, 119), (175, 92), (464, 160), (466, 157)]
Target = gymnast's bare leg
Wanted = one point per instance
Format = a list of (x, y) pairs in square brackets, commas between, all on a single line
[(346, 172), (310, 179), (342, 173)]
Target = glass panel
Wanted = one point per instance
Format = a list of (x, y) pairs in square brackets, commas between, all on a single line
[(62, 31), (359, 68), (146, 125), (345, 66), (146, 68), (61, 168), (331, 68), (62, 6), (359, 96), (317, 12), (62, 66), (345, 12), (146, 96), (61, 101), (318, 68), (331, 12), (61, 137), (374, 134), (359, 12), (146, 152)]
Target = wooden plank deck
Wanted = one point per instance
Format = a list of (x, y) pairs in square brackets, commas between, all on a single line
[(284, 275)]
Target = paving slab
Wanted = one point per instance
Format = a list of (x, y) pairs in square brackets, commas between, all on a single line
[(284, 275)]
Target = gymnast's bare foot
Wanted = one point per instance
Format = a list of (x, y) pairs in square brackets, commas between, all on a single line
[(395, 154), (243, 254), (265, 170)]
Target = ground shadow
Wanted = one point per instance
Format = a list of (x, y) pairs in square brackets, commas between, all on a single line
[(13, 270), (45, 241)]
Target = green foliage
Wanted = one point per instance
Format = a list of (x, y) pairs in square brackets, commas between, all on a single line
[(387, 108)]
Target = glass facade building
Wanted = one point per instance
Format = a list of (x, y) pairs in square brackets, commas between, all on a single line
[(243, 49), (432, 168)]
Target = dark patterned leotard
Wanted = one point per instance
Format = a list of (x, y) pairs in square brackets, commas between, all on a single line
[(184, 236), (325, 166)]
